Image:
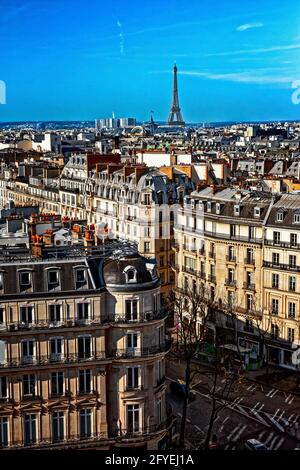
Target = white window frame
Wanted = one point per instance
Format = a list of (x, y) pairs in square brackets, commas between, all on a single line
[(30, 284), (139, 408), (132, 300), (133, 350), (2, 424), (35, 415), (57, 356), (33, 357), (85, 381), (84, 320), (55, 412), (130, 370), (35, 386), (27, 306), (91, 420), (91, 346), (55, 305), (57, 381)]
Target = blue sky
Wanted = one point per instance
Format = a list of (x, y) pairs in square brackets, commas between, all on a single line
[(68, 59)]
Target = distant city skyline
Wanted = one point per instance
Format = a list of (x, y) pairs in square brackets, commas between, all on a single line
[(236, 62)]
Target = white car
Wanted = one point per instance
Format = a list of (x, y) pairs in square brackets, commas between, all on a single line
[(254, 444)]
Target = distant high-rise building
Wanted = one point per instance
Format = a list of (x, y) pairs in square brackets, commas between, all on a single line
[(175, 117), (114, 123)]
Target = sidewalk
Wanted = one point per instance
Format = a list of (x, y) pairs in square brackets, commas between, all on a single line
[(283, 379)]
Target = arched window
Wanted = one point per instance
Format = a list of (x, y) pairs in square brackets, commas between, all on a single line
[(130, 273)]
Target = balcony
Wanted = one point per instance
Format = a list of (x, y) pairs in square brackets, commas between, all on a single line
[(249, 260), (281, 266), (74, 440), (231, 259), (212, 278), (189, 270), (202, 275), (212, 254), (140, 317), (238, 238), (50, 359), (282, 244), (249, 286), (230, 282), (249, 312), (130, 353)]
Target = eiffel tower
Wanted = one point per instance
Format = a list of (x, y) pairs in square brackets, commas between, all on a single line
[(175, 109)]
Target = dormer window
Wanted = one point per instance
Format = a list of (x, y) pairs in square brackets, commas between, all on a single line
[(296, 219), (237, 210), (130, 274), (279, 216), (53, 279), (80, 277), (218, 207), (257, 211), (25, 281), (1, 281)]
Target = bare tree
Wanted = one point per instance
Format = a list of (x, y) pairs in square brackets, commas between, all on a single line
[(191, 315)]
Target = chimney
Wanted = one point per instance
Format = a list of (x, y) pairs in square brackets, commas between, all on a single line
[(37, 246)]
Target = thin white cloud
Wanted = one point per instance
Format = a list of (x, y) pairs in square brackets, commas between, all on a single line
[(121, 37), (244, 27), (288, 47), (254, 77)]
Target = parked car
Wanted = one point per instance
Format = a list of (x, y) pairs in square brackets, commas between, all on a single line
[(178, 387), (254, 444)]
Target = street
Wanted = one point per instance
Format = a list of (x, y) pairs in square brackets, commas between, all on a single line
[(252, 411)]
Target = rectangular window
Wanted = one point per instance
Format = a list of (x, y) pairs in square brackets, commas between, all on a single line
[(56, 349), (275, 281), (292, 283), (83, 311), (249, 302), (131, 341), (85, 423), (131, 310), (292, 261), (3, 387), (29, 385), (2, 315), (276, 238), (27, 351), (84, 347), (4, 441), (133, 418), (30, 429), (275, 258), (80, 278), (57, 383), (275, 306), (293, 239), (25, 280), (53, 279), (26, 315), (232, 230), (231, 256), (85, 379), (1, 281), (133, 377), (55, 313), (292, 309), (146, 247), (274, 331), (249, 256), (291, 334), (58, 426)]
